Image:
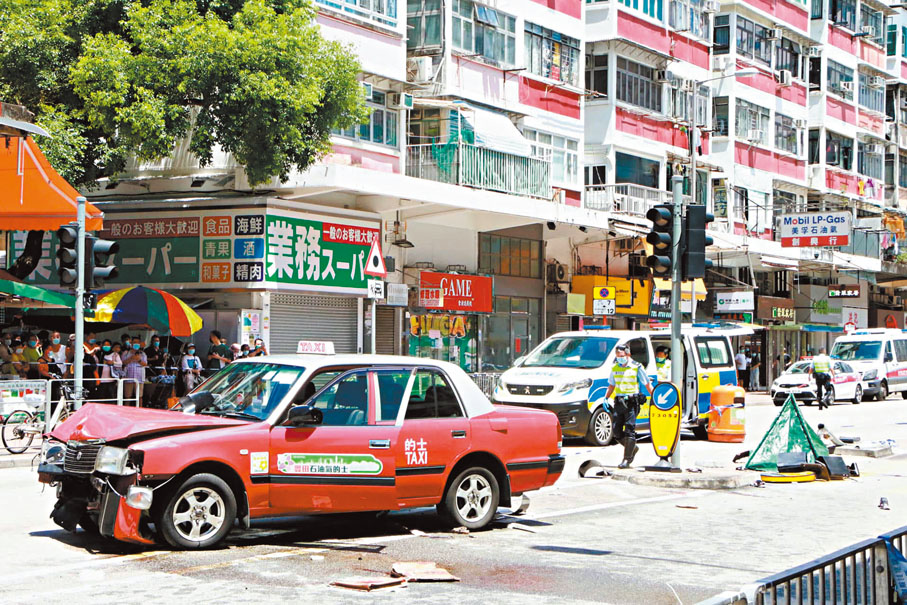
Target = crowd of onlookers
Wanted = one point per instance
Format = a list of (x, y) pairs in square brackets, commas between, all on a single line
[(154, 370)]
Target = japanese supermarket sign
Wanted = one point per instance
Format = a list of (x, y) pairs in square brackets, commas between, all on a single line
[(815, 229), (229, 248)]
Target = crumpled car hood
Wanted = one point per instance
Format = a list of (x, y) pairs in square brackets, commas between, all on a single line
[(111, 423)]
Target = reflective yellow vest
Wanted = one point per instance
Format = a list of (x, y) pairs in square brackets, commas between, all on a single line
[(821, 364), (664, 370), (625, 378)]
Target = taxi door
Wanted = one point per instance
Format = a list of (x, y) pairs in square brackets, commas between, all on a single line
[(435, 433), (344, 464)]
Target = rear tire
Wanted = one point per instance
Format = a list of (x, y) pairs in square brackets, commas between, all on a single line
[(882, 395), (471, 499), (858, 395), (16, 437), (828, 397), (601, 428)]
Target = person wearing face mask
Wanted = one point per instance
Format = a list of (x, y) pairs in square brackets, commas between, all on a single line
[(134, 362), (191, 368), (244, 350), (662, 364), (6, 356), (111, 365), (31, 353), (156, 372), (19, 363), (259, 349), (626, 376), (57, 354)]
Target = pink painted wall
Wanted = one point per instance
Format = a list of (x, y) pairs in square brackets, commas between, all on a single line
[(840, 38), (353, 156), (791, 14), (574, 8), (689, 50), (573, 198), (903, 69), (549, 98), (795, 93), (643, 32), (871, 53), (769, 161), (841, 110), (850, 183), (654, 130), (872, 122)]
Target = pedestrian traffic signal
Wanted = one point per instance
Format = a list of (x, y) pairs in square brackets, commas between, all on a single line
[(68, 255), (661, 238), (98, 252), (695, 241)]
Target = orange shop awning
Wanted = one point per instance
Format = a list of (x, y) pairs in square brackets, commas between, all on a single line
[(32, 194)]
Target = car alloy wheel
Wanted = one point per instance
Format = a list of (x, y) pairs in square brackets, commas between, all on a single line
[(473, 497), (601, 428), (858, 395), (199, 514)]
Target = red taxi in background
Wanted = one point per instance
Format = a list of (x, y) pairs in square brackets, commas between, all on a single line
[(298, 434)]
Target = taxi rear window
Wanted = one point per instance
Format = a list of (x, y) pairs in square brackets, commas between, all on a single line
[(713, 351)]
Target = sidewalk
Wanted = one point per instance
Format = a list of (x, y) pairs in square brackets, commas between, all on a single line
[(8, 460)]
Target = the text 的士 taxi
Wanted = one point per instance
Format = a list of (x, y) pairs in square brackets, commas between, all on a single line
[(291, 435)]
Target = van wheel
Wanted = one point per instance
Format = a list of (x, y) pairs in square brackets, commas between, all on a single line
[(883, 391), (471, 499), (200, 513), (601, 428), (858, 395)]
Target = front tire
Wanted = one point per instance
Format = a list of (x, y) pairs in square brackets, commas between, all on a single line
[(471, 498), (200, 513), (882, 395), (858, 395), (601, 428)]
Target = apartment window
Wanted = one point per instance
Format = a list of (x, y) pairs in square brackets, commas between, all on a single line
[(837, 75), (872, 18), (838, 151), (902, 170), (687, 15), (379, 11), (424, 126), (649, 7), (870, 161), (596, 175), (752, 41), (679, 104), (816, 9), (484, 31), (463, 26), (381, 126), (785, 201), (720, 116), (597, 73), (563, 153), (551, 54), (636, 85), (721, 40), (812, 156), (787, 56), (786, 135), (751, 120), (843, 12), (514, 256), (891, 40), (633, 169), (904, 40), (872, 98), (423, 19)]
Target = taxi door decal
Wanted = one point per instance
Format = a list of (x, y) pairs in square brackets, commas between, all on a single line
[(329, 464)]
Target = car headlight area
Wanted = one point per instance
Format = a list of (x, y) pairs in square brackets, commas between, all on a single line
[(113, 461), (53, 452), (578, 384)]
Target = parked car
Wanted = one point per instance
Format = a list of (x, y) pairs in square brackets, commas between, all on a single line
[(298, 434), (846, 385), (880, 355)]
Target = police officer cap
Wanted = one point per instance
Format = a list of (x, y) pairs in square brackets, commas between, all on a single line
[(662, 350), (623, 348)]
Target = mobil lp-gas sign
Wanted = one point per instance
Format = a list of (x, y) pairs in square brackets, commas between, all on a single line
[(815, 229)]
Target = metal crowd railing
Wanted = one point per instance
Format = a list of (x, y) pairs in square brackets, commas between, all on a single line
[(859, 574), (486, 381)]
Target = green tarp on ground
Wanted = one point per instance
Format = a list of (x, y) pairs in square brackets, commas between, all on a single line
[(788, 433)]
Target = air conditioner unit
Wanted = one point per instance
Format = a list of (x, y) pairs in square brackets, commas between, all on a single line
[(418, 69), (877, 82), (814, 51), (710, 6), (785, 77), (557, 273), (875, 149), (754, 134), (401, 100), (800, 123), (688, 86), (846, 86), (367, 89), (663, 76), (776, 33), (869, 30)]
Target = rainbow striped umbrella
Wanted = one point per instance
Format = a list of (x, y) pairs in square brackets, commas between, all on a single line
[(140, 305)]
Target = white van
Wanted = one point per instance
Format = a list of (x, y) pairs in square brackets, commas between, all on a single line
[(568, 375), (880, 355)]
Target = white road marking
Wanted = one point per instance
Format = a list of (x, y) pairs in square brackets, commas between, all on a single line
[(606, 505), (53, 571)]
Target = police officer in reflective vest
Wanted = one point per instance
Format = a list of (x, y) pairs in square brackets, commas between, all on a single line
[(625, 378), (822, 371), (662, 364)]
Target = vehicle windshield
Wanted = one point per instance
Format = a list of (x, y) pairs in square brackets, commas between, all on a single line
[(571, 352), (801, 367), (249, 390), (864, 350)]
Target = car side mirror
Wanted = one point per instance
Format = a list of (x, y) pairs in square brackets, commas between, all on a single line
[(196, 402), (889, 357), (519, 361), (301, 415)]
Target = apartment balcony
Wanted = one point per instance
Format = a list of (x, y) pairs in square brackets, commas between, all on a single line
[(626, 198), (480, 168)]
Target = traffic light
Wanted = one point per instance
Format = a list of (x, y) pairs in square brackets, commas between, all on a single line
[(662, 239), (68, 255), (98, 252), (695, 241)]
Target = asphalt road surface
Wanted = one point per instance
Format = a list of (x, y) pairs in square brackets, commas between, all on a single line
[(589, 540)]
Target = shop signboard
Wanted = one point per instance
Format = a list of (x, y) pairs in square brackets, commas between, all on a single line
[(603, 306), (444, 336), (844, 291), (745, 317), (397, 295), (815, 229), (857, 316), (731, 302), (236, 248), (775, 308), (249, 326), (455, 292)]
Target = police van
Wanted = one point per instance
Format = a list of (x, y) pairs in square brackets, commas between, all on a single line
[(880, 356), (568, 375)]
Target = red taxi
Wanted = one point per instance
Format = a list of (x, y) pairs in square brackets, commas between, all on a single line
[(300, 434)]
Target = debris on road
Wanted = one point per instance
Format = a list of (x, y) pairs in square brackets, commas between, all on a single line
[(883, 504), (460, 530), (689, 506), (759, 483), (317, 557), (522, 527), (741, 456), (369, 584), (423, 571), (588, 465), (694, 470)]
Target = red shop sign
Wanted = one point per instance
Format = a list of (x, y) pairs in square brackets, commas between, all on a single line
[(451, 292)]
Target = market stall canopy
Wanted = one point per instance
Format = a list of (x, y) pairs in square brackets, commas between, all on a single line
[(664, 285), (157, 309), (17, 294), (32, 194)]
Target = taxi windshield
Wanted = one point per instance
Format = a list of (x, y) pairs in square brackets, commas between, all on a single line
[(865, 350), (801, 367), (571, 352), (249, 390)]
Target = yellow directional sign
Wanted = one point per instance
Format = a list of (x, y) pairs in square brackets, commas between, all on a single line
[(604, 293)]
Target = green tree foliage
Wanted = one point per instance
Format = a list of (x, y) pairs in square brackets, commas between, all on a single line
[(110, 78)]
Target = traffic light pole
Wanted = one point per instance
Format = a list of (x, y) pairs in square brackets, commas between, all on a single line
[(676, 282), (79, 352)]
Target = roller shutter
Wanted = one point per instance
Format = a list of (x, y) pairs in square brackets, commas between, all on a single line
[(296, 317), (386, 335)]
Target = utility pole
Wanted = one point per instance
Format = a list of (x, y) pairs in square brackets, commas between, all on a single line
[(79, 352), (676, 281)]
